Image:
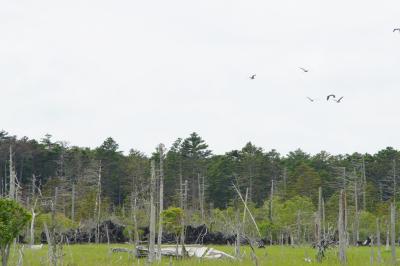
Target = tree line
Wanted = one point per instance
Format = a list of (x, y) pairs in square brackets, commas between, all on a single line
[(85, 180)]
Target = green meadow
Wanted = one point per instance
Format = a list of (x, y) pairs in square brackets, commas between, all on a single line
[(95, 255)]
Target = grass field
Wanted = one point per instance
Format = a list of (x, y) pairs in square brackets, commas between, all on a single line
[(91, 254)]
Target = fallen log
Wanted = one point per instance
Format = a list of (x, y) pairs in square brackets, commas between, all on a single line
[(127, 250), (192, 251)]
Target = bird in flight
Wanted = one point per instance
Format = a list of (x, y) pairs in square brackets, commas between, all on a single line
[(253, 76), (397, 29), (310, 99), (329, 96), (304, 70), (338, 100)]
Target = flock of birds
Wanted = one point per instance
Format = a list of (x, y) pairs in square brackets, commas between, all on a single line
[(330, 97)]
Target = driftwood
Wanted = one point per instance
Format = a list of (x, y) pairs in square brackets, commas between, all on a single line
[(127, 250), (192, 251)]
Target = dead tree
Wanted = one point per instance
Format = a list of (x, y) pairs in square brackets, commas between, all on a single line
[(323, 219), (73, 202), (247, 208), (98, 205), (244, 209), (160, 218), (183, 220), (50, 244), (181, 184), (13, 178), (319, 216), (342, 228), (364, 185), (394, 182), (238, 233), (201, 195), (240, 227), (55, 253), (35, 198), (372, 254), (271, 199), (134, 218), (378, 241), (284, 182), (387, 236), (32, 227), (393, 231), (152, 213), (356, 216)]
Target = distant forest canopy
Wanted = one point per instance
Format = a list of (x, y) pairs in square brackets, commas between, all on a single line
[(55, 164)]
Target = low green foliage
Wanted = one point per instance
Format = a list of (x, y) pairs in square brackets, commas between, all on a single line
[(63, 223), (13, 219), (172, 220)]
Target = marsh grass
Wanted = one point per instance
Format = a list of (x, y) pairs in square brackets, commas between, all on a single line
[(91, 254)]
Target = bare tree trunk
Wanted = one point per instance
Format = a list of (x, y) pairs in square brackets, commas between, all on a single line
[(107, 235), (237, 242), (73, 203), (319, 216), (183, 220), (12, 191), (55, 199), (387, 236), (241, 227), (135, 226), (364, 184), (372, 255), (5, 253), (394, 182), (98, 206), (32, 228), (356, 218), (21, 255), (181, 184), (341, 229), (271, 200), (393, 231), (346, 218), (152, 213), (244, 209), (245, 205), (378, 241), (34, 199), (323, 219), (284, 182), (51, 246), (298, 223), (201, 196), (160, 218), (250, 188)]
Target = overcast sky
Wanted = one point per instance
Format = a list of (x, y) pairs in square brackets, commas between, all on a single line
[(146, 72)]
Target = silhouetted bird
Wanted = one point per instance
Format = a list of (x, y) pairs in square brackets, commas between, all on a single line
[(329, 96), (338, 100), (253, 76), (305, 70), (397, 29), (310, 99)]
